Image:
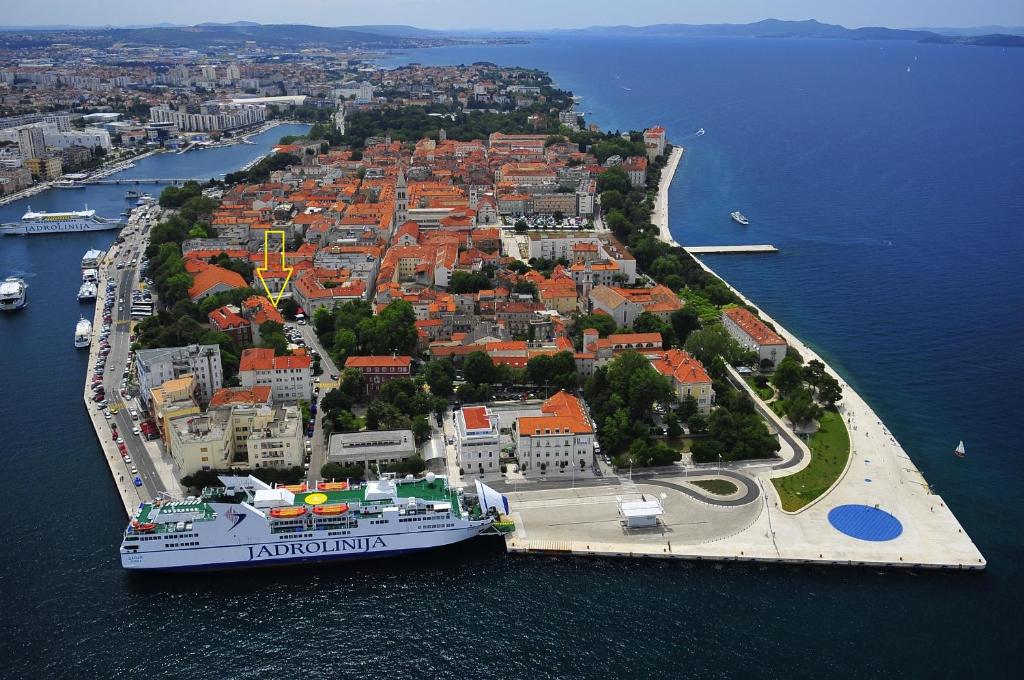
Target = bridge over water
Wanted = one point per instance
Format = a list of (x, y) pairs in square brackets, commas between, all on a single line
[(142, 180)]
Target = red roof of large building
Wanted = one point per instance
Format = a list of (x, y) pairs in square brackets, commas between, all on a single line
[(563, 415), (476, 418), (378, 361), (262, 310), (260, 394), (753, 326), (225, 319), (210, 276), (263, 359), (681, 367)]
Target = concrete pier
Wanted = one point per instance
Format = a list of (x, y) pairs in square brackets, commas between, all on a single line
[(130, 495), (728, 250)]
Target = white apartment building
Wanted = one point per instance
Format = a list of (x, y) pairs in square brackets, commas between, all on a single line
[(154, 367), (239, 436), (228, 117), (89, 138), (290, 378), (477, 440)]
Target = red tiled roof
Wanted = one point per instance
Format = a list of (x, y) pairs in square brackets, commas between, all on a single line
[(260, 394), (263, 359), (681, 367), (753, 326), (476, 418), (211, 276), (378, 361)]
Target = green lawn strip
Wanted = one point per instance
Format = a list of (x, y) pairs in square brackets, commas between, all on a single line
[(719, 487), (830, 448), (765, 393)]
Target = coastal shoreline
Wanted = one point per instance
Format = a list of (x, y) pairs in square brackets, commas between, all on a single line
[(868, 434), (660, 216)]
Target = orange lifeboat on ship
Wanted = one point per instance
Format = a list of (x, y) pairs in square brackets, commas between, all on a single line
[(146, 528), (290, 511), (335, 509), (332, 486), (294, 488)]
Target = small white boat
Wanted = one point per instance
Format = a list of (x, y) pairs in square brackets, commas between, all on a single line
[(960, 451), (700, 132), (87, 292), (739, 218), (83, 333), (131, 195), (12, 294)]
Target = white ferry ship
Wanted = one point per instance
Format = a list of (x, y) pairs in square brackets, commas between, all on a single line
[(57, 223), (249, 523), (13, 294), (83, 333), (87, 292)]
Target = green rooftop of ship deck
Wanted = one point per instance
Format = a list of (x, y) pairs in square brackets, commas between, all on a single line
[(421, 489), (171, 512)]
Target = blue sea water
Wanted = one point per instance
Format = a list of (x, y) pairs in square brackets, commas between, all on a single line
[(896, 200)]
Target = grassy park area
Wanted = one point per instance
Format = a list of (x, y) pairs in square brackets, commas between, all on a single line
[(719, 487), (830, 448)]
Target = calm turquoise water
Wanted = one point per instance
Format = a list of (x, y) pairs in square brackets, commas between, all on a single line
[(896, 200)]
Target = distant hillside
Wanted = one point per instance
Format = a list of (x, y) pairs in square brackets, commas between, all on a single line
[(236, 33), (777, 28), (271, 35)]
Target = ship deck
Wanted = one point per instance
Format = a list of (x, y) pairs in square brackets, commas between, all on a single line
[(428, 491), (199, 510)]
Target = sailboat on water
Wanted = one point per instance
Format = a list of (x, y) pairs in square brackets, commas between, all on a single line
[(960, 451)]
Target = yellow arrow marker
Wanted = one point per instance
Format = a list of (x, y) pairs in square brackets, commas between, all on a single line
[(274, 298)]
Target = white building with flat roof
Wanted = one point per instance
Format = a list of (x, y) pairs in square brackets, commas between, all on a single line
[(374, 447), (154, 367)]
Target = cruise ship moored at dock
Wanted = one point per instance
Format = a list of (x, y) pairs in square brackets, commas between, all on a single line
[(249, 523), (58, 223)]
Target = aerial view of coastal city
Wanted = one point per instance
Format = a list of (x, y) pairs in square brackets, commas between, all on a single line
[(631, 341)]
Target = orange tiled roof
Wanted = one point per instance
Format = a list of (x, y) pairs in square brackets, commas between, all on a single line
[(263, 359), (753, 326)]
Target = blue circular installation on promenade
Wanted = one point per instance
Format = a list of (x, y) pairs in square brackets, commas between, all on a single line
[(865, 522)]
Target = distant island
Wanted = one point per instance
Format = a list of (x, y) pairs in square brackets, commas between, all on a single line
[(207, 35), (810, 28)]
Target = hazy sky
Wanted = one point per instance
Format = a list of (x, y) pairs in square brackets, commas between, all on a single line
[(514, 14)]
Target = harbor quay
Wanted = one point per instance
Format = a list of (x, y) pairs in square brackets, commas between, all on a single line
[(151, 466), (130, 495), (696, 525)]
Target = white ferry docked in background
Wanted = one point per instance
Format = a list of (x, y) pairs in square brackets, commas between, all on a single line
[(58, 223), (13, 294), (249, 523), (83, 333), (739, 218)]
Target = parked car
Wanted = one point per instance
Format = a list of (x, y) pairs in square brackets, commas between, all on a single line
[(138, 481)]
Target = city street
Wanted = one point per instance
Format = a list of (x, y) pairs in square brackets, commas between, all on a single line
[(318, 456), (127, 279)]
